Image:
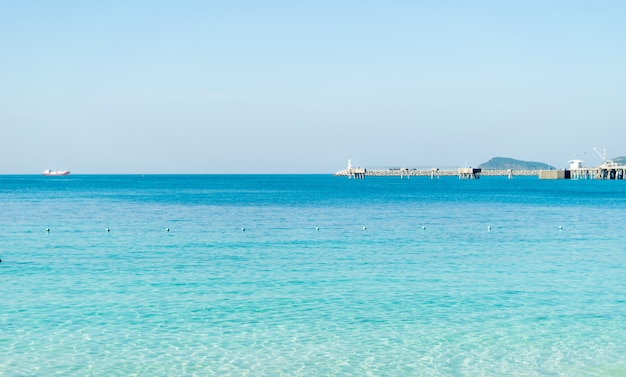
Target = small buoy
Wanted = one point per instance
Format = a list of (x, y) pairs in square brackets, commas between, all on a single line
[(489, 228), (167, 229), (108, 230), (560, 227), (317, 228), (423, 227), (243, 229), (364, 228), (47, 229)]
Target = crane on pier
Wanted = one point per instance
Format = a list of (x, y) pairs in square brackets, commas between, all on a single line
[(605, 163)]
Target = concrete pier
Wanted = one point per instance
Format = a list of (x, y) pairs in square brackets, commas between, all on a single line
[(615, 172), (357, 173), (352, 172), (554, 174), (433, 172), (469, 173), (607, 172)]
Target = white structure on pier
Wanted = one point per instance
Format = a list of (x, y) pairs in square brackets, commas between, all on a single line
[(609, 169), (575, 164), (353, 172), (469, 173)]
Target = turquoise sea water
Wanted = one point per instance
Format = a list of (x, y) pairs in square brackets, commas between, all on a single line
[(307, 275)]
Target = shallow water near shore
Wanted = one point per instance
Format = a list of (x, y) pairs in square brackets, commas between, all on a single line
[(305, 275)]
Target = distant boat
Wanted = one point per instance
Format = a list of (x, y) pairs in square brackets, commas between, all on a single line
[(55, 173)]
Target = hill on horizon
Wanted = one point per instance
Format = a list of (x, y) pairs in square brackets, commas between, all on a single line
[(620, 160), (504, 163)]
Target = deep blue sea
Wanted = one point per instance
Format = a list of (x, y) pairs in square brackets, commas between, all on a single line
[(311, 275)]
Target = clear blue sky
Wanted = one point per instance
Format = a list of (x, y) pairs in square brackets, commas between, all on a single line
[(301, 87)]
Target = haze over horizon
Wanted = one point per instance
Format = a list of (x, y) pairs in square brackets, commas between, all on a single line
[(292, 87)]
